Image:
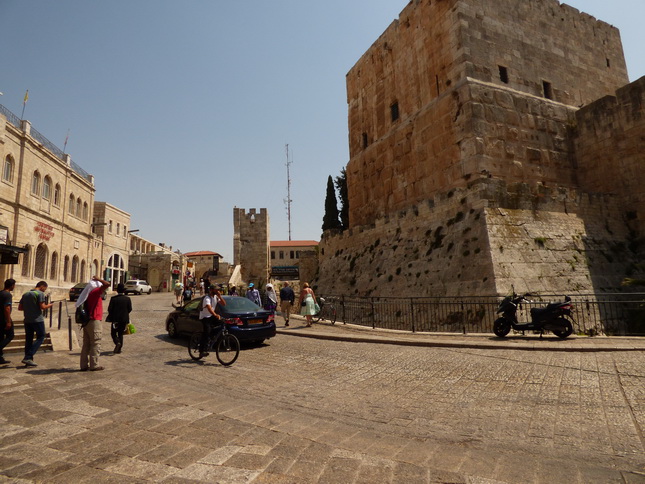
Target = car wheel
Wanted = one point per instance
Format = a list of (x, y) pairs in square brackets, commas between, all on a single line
[(172, 329), (149, 291)]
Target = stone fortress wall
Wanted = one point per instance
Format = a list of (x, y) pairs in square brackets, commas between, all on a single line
[(440, 55), (491, 176)]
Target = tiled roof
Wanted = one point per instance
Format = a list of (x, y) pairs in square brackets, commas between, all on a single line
[(201, 252), (294, 243)]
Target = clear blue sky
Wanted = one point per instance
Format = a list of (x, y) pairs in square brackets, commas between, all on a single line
[(174, 104)]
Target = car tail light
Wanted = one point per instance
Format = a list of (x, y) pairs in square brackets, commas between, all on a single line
[(234, 321), (271, 318)]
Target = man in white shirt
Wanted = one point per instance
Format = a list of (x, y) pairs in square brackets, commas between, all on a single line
[(208, 316)]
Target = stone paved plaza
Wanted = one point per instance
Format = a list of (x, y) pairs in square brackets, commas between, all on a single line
[(300, 410)]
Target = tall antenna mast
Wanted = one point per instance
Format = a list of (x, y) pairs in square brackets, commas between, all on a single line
[(288, 199)]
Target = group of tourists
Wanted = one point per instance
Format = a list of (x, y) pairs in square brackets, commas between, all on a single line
[(90, 302), (33, 303)]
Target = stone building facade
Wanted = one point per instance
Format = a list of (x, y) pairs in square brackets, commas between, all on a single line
[(46, 206), (286, 256), (111, 225), (251, 244), (484, 140), (159, 265)]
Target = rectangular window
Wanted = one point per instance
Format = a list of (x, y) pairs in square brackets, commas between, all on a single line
[(272, 254), (503, 74), (394, 111), (292, 255), (110, 226), (365, 141), (548, 90), (281, 254)]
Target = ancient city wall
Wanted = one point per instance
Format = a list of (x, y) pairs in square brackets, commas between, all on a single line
[(541, 40), (609, 143), (251, 244), (429, 106), (483, 240)]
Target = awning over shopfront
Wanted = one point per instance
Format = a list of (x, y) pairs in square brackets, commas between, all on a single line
[(9, 253)]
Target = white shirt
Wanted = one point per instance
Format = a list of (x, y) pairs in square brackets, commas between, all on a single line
[(208, 300)]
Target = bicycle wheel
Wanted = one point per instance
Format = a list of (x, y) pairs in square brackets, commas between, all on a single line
[(193, 346), (318, 316), (227, 349), (332, 314)]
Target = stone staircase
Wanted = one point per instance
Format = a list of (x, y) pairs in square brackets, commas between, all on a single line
[(17, 345)]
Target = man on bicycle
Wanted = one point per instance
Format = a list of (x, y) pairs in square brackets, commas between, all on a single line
[(208, 316)]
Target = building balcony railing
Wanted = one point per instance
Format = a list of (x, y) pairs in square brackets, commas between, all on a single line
[(51, 147)]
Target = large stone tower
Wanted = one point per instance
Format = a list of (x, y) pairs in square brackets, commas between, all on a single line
[(251, 244), (465, 161)]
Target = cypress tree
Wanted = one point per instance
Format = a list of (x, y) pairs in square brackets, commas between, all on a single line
[(341, 186), (330, 219)]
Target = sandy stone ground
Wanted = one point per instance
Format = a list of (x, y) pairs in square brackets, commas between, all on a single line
[(299, 410)]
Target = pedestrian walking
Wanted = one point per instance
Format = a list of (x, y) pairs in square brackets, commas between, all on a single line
[(33, 304), (287, 298), (187, 295), (201, 287), (271, 302), (118, 315), (6, 324), (307, 296), (92, 332), (179, 289), (254, 295)]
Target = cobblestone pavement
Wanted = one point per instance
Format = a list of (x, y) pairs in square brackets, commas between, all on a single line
[(300, 410)]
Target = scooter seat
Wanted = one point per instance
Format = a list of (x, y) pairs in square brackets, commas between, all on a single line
[(537, 313)]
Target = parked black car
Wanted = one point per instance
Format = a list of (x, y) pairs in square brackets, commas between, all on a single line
[(254, 324), (76, 291)]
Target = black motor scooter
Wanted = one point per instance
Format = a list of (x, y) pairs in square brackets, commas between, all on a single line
[(552, 318)]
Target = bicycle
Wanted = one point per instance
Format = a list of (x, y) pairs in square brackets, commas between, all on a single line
[(226, 345), (327, 311)]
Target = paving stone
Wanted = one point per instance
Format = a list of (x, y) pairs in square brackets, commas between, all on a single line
[(307, 410)]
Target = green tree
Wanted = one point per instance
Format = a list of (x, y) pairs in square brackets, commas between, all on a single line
[(330, 219), (341, 186)]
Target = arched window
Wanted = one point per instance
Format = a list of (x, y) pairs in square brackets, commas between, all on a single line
[(53, 271), (72, 200), (57, 195), (7, 169), (25, 262), (95, 268), (78, 207), (66, 269), (74, 273), (86, 211), (47, 188), (35, 184), (82, 276), (40, 266)]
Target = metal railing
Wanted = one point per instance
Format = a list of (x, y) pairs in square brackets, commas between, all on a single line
[(35, 134), (611, 314)]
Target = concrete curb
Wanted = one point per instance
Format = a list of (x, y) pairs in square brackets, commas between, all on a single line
[(348, 333)]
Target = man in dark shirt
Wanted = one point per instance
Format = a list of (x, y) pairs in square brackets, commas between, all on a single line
[(33, 304), (287, 297), (6, 324)]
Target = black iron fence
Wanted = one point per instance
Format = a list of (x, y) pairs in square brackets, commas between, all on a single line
[(610, 314)]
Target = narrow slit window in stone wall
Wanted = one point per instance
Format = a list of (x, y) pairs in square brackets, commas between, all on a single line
[(548, 90), (394, 111), (365, 140), (503, 74)]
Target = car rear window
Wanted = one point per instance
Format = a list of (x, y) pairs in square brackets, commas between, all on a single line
[(240, 304)]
